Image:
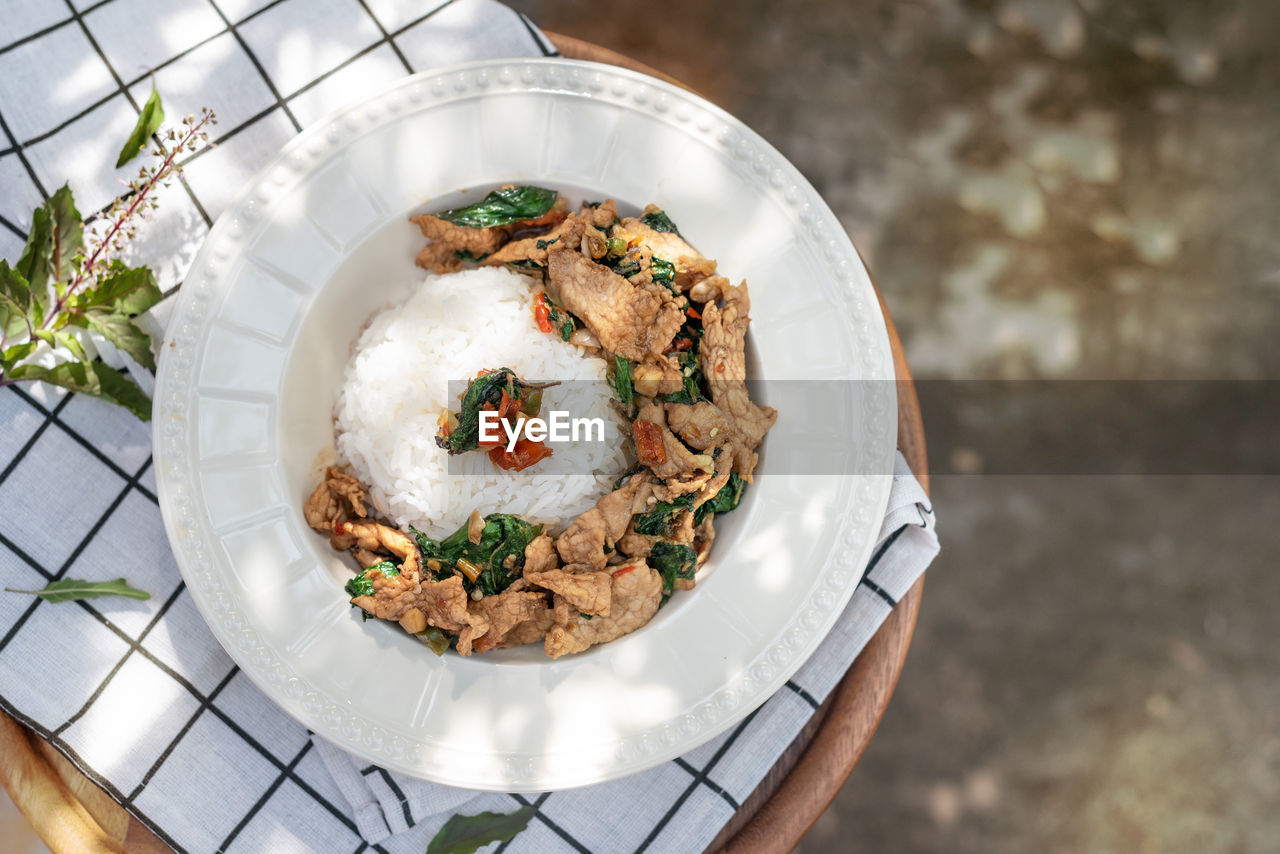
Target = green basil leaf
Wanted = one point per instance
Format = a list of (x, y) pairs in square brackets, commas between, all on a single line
[(126, 290), (93, 379), (672, 561), (660, 520), (659, 221), (499, 554), (620, 380), (72, 343), (66, 233), (728, 498), (503, 207), (463, 834), (122, 332), (33, 264), (15, 301), (18, 352), (71, 589), (148, 121)]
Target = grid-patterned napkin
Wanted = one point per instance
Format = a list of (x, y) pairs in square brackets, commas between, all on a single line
[(138, 694)]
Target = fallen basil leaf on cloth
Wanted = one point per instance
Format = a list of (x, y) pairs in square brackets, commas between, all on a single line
[(463, 834), (148, 121), (71, 589)]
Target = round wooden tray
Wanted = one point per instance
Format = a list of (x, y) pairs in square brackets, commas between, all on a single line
[(71, 814)]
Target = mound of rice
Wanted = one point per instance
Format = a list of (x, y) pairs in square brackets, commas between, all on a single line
[(397, 382)]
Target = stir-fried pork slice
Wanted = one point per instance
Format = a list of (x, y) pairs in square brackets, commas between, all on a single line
[(680, 463), (504, 612), (724, 467), (470, 633), (602, 215), (562, 610), (633, 544), (724, 364), (338, 495), (630, 321), (709, 289), (690, 265), (533, 248), (447, 239), (443, 603), (366, 558), (370, 537), (528, 631), (540, 555), (636, 594), (617, 508), (586, 591), (583, 541), (701, 425), (703, 536)]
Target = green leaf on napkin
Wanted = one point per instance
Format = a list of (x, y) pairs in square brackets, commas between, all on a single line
[(71, 589), (148, 120), (463, 834)]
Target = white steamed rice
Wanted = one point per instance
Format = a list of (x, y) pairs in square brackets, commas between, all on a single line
[(397, 382)]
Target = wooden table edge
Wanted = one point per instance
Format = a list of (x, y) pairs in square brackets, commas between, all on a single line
[(809, 774), (40, 781)]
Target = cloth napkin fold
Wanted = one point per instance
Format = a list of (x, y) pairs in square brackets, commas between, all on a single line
[(138, 694), (683, 804)]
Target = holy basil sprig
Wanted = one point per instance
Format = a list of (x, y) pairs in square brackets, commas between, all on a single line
[(463, 834), (67, 293), (71, 589)]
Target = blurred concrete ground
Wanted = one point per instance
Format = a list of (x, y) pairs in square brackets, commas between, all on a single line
[(1055, 189)]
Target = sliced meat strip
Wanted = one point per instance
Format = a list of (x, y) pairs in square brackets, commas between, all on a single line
[(630, 321), (447, 239), (616, 507), (724, 364), (338, 496), (701, 425), (586, 591), (371, 537), (504, 612), (583, 541), (540, 555), (680, 463), (636, 595)]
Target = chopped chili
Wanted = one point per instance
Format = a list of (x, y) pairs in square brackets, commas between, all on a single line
[(649, 447), (525, 454), (541, 313)]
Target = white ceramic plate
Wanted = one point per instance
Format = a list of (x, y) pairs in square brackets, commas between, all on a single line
[(255, 353)]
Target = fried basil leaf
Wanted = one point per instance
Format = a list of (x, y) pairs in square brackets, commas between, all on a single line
[(499, 554), (728, 498), (503, 207), (672, 561), (660, 521), (659, 221), (361, 585)]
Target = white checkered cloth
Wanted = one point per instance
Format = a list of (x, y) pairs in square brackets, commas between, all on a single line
[(139, 695)]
